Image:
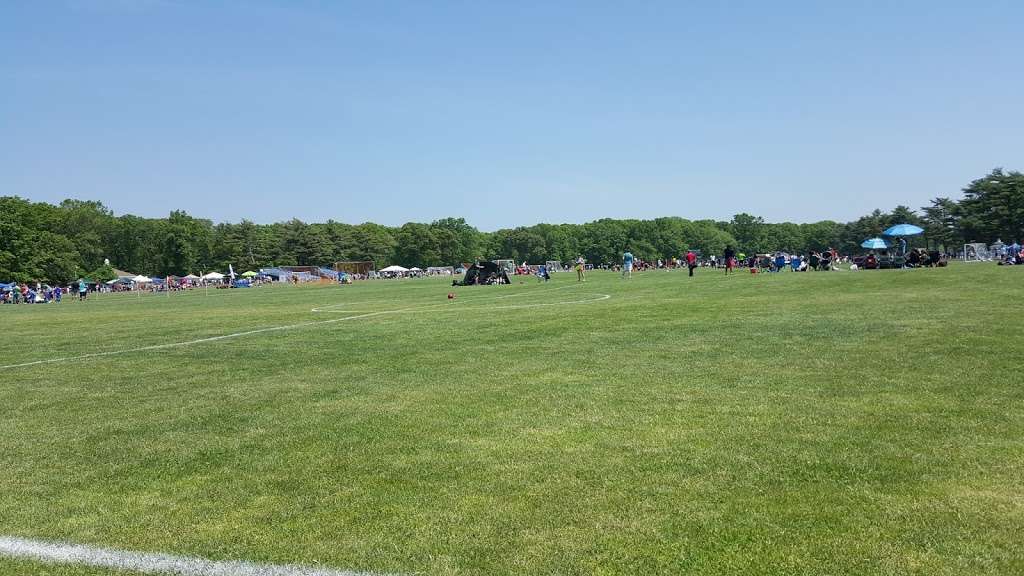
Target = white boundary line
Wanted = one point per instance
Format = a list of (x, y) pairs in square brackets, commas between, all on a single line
[(312, 323), (598, 298), (148, 563), (339, 307), (200, 340)]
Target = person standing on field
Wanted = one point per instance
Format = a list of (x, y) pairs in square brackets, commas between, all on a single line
[(82, 288), (580, 269), (730, 259), (691, 261), (627, 265)]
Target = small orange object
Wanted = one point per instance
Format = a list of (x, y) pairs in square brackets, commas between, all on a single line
[(451, 296)]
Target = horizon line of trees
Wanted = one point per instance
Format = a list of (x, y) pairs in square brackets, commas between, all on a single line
[(44, 242)]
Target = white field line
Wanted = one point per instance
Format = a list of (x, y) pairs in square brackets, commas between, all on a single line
[(598, 298), (200, 340), (468, 305), (457, 306), (147, 563), (340, 307)]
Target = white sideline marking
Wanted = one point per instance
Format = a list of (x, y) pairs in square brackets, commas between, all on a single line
[(200, 340), (598, 298), (339, 307), (317, 322), (147, 563)]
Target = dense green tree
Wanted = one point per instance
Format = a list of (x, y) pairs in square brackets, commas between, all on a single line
[(749, 232), (307, 245), (373, 242), (102, 273), (707, 238), (50, 258), (417, 246), (820, 236), (865, 227), (603, 241), (560, 241), (43, 242), (519, 244), (786, 236), (941, 224), (89, 226), (456, 241), (993, 208)]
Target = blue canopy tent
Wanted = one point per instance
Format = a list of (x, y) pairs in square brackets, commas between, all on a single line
[(903, 230), (328, 273), (875, 244)]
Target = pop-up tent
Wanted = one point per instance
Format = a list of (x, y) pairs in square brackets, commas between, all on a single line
[(140, 279), (483, 273), (213, 276), (394, 269)]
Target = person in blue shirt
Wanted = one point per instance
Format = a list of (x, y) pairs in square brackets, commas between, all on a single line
[(627, 265), (56, 294), (542, 274), (82, 289)]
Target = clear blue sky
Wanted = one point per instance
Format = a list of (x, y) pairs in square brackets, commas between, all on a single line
[(507, 113)]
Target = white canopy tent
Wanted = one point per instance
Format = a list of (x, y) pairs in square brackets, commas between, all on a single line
[(415, 269), (140, 279), (190, 277), (213, 276), (396, 268)]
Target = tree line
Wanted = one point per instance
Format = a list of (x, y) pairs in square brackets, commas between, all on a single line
[(59, 243)]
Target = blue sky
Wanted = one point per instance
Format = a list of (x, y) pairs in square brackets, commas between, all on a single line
[(507, 113)]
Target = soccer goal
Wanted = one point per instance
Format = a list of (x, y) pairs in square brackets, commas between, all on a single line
[(554, 266), (976, 252), (509, 266)]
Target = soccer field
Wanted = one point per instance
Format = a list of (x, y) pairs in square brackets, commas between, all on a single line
[(815, 423)]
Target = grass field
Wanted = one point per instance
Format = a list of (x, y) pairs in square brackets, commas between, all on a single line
[(819, 423)]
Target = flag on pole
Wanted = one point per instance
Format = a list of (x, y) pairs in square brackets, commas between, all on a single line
[(231, 271)]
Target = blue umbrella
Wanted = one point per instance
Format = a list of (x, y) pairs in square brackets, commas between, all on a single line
[(875, 243), (903, 230)]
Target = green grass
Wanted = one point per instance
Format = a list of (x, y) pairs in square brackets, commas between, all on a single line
[(821, 423)]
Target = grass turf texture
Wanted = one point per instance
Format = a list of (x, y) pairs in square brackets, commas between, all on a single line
[(818, 423)]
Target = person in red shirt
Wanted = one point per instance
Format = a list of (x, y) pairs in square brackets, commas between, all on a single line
[(691, 261)]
